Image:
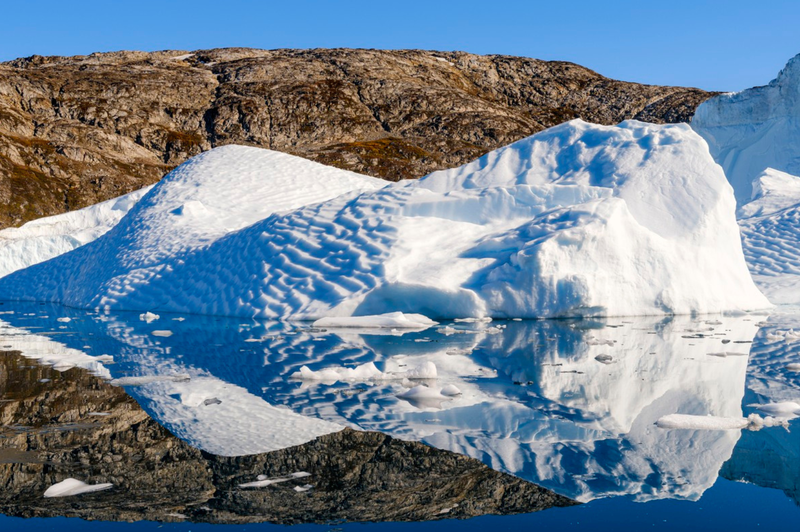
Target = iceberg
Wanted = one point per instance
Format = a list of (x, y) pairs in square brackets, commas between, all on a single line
[(45, 238), (578, 220), (755, 136)]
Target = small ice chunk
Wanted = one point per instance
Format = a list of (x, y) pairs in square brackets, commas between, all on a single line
[(64, 320), (72, 486), (163, 334), (451, 390), (263, 481), (793, 367), (426, 370), (148, 317), (785, 409), (364, 372)]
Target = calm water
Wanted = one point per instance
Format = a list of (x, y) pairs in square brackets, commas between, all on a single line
[(569, 405)]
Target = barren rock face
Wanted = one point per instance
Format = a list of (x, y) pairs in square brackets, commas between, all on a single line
[(78, 130)]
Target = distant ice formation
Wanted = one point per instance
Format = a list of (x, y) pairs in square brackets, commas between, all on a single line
[(578, 220), (755, 136)]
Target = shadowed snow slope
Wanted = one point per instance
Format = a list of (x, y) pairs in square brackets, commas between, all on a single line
[(45, 238), (755, 136), (577, 220)]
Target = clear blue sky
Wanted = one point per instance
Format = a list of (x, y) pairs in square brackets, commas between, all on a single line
[(709, 44)]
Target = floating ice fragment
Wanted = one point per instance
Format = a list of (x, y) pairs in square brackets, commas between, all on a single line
[(71, 486), (148, 317), (693, 422), (263, 482), (451, 390), (162, 333), (785, 409)]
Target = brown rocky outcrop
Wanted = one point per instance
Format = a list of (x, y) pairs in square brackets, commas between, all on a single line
[(78, 130)]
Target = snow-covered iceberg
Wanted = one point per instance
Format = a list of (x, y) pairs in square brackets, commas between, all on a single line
[(577, 220), (755, 136), (45, 238)]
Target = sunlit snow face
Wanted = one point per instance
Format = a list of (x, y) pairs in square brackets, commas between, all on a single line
[(569, 404)]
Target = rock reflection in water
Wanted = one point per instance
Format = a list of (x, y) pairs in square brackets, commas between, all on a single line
[(570, 405), (51, 430)]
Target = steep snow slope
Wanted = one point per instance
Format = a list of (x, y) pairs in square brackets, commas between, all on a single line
[(45, 238), (755, 136), (580, 219)]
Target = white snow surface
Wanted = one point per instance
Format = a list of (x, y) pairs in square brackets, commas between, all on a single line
[(578, 220), (72, 486), (45, 238)]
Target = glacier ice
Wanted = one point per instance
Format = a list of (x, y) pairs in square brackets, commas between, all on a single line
[(755, 136), (578, 220)]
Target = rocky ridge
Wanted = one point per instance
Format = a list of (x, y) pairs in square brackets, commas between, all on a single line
[(78, 130)]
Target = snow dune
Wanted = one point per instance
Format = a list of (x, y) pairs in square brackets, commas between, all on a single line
[(579, 220)]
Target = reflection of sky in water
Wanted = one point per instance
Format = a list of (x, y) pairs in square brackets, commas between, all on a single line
[(567, 404)]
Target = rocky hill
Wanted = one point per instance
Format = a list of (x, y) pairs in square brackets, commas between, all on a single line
[(78, 130)]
